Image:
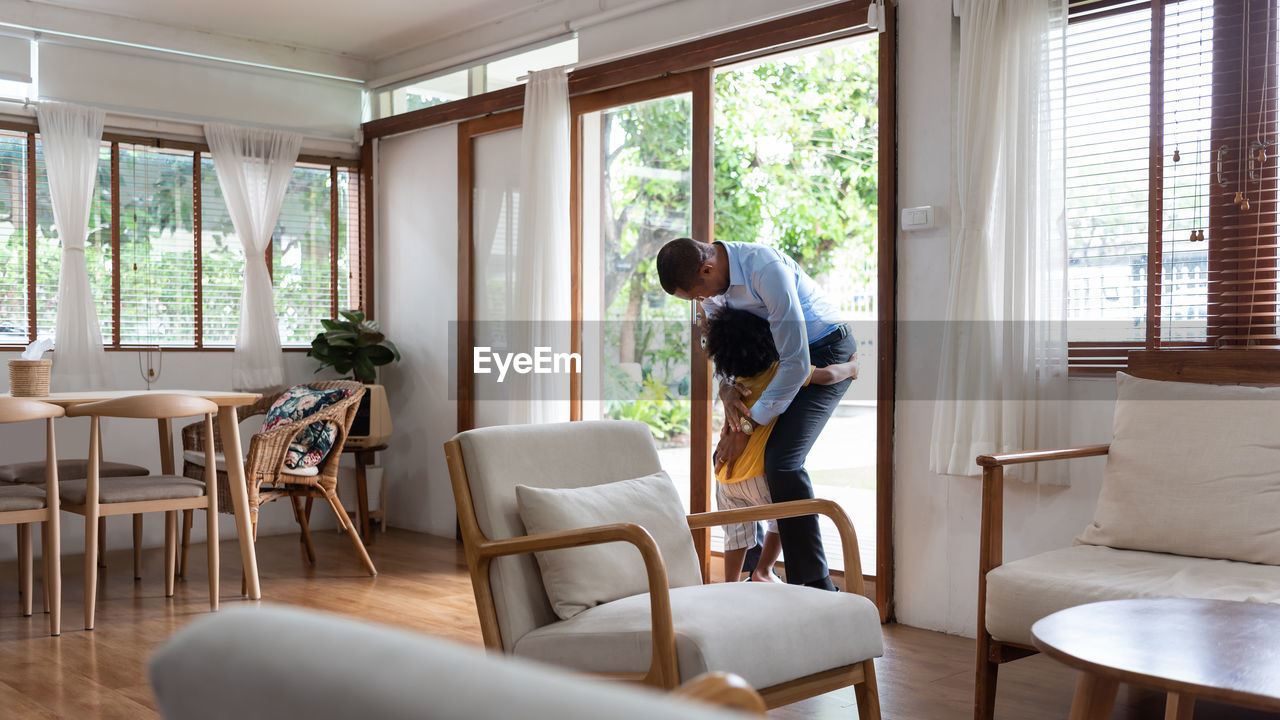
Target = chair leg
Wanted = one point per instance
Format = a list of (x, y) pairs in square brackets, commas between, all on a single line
[(867, 694), (137, 546), (25, 556), (188, 518), (90, 563), (170, 549), (984, 701), (305, 536), (211, 547), (345, 520), (102, 542), (50, 553)]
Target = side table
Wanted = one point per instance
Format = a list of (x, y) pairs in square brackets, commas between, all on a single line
[(364, 458), (1218, 650)]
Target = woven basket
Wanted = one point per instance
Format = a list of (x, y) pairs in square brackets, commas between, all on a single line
[(29, 378)]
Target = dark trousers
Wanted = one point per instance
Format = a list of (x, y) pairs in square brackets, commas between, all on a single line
[(793, 436)]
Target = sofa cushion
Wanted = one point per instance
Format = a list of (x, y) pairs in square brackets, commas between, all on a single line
[(1194, 469), (583, 577), (154, 487), (1021, 592), (311, 445), (33, 472), (21, 497), (768, 633)]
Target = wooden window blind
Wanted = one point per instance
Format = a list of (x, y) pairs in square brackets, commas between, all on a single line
[(13, 237), (98, 250), (157, 247), (301, 250), (165, 266), (1168, 104)]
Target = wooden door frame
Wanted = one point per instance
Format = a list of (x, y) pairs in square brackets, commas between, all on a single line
[(698, 81)]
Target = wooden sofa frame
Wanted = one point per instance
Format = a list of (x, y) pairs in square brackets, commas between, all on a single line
[(1261, 366), (663, 669)]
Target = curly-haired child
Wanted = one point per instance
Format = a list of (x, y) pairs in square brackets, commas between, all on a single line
[(742, 348)]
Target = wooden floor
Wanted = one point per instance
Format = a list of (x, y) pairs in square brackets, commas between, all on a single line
[(423, 586)]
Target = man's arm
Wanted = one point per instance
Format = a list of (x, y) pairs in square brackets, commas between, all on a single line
[(776, 286)]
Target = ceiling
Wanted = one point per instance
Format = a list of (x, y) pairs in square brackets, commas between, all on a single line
[(364, 29)]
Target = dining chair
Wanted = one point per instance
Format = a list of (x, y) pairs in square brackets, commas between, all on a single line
[(270, 479), (167, 492), (23, 504)]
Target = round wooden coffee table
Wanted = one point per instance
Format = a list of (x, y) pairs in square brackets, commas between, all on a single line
[(1213, 649)]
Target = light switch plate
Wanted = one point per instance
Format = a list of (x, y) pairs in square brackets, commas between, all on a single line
[(917, 218)]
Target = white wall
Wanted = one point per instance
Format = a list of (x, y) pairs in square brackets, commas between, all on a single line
[(936, 517), (417, 285), (135, 441)]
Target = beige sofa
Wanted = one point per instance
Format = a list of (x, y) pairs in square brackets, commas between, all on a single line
[(276, 662), (1189, 507)]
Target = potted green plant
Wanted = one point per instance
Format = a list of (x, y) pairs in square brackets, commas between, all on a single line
[(355, 347)]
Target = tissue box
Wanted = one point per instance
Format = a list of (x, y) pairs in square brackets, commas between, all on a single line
[(29, 378)]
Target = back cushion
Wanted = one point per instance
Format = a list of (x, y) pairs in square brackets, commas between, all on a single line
[(583, 577), (1194, 469), (557, 455)]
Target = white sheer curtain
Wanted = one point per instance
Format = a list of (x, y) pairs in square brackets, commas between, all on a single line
[(254, 167), (70, 136), (1002, 383), (542, 253)]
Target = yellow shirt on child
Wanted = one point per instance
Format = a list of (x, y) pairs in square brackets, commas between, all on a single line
[(751, 462)]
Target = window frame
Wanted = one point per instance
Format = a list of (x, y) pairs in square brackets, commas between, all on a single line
[(1104, 358), (359, 285)]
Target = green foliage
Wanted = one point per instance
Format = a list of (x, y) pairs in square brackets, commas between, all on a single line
[(353, 345), (795, 168), (666, 414)]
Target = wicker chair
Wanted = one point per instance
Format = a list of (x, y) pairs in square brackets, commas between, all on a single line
[(266, 475)]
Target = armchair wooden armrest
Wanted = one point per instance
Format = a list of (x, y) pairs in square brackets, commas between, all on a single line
[(725, 690), (1029, 456), (795, 508), (662, 669)]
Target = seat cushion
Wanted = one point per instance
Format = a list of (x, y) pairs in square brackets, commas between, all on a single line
[(1021, 592), (33, 472), (768, 633), (1194, 469), (196, 457), (155, 487), (21, 497), (310, 446), (583, 577)]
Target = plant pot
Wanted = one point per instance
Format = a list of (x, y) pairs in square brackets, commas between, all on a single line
[(29, 378)]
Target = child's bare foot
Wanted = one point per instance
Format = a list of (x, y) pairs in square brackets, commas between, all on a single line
[(764, 576)]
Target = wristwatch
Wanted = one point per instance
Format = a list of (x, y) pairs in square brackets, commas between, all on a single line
[(747, 425)]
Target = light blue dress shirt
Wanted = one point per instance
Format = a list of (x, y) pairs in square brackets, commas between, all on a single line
[(771, 285)]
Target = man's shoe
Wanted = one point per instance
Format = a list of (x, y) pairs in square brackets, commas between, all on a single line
[(823, 584)]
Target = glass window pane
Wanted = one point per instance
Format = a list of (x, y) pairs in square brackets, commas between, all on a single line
[(157, 247), (300, 256), (503, 73), (97, 248), (430, 92), (221, 262), (13, 238)]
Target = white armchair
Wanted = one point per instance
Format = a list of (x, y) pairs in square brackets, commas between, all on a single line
[(789, 642)]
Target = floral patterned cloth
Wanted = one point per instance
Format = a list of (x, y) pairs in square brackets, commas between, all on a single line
[(309, 447)]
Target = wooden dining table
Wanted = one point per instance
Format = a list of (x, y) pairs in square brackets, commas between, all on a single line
[(228, 428)]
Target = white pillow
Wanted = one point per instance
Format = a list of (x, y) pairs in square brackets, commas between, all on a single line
[(1194, 469), (583, 577)]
